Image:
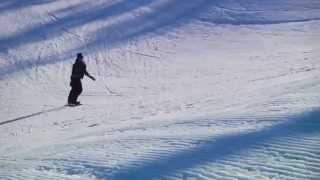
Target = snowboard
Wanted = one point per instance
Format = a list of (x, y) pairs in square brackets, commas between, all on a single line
[(73, 105)]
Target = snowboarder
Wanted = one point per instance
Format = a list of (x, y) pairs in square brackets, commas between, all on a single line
[(78, 71)]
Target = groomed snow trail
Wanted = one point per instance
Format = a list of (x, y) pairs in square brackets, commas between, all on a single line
[(200, 89)]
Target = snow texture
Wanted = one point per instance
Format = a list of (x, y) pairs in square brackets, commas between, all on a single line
[(193, 89)]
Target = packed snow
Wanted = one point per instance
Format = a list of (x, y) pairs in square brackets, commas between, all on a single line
[(193, 89)]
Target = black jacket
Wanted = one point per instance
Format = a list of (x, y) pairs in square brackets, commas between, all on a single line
[(79, 70)]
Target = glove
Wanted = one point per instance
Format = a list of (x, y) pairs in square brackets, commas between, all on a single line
[(91, 77)]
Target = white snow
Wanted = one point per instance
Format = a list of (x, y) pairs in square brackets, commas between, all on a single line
[(194, 89)]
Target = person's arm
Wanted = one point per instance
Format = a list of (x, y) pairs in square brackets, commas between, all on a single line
[(87, 74)]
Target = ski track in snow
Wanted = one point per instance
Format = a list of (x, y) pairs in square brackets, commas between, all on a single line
[(202, 89)]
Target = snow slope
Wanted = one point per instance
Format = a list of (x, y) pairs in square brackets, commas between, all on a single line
[(194, 89)]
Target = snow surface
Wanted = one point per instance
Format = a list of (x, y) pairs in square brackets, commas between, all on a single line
[(193, 89)]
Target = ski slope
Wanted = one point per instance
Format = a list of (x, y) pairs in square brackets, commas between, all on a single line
[(194, 89)]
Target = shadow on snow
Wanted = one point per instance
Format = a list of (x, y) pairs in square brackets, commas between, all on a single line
[(213, 150), (8, 5), (161, 19), (172, 13), (30, 115), (58, 25)]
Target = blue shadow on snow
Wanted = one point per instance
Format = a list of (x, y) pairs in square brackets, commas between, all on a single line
[(213, 150), (161, 19)]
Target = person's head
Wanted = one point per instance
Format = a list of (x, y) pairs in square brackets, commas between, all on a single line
[(79, 57)]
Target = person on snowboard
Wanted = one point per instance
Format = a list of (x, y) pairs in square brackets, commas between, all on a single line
[(78, 71)]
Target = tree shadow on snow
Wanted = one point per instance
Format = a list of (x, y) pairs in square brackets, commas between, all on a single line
[(223, 147), (59, 25), (8, 5), (159, 19), (211, 151), (170, 14)]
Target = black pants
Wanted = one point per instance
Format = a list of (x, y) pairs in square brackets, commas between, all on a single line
[(76, 90)]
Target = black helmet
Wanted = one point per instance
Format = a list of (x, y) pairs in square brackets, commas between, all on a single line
[(79, 56)]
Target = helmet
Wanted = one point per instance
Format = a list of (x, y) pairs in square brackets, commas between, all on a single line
[(79, 56)]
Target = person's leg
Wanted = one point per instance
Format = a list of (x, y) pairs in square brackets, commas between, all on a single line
[(78, 90), (72, 94)]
